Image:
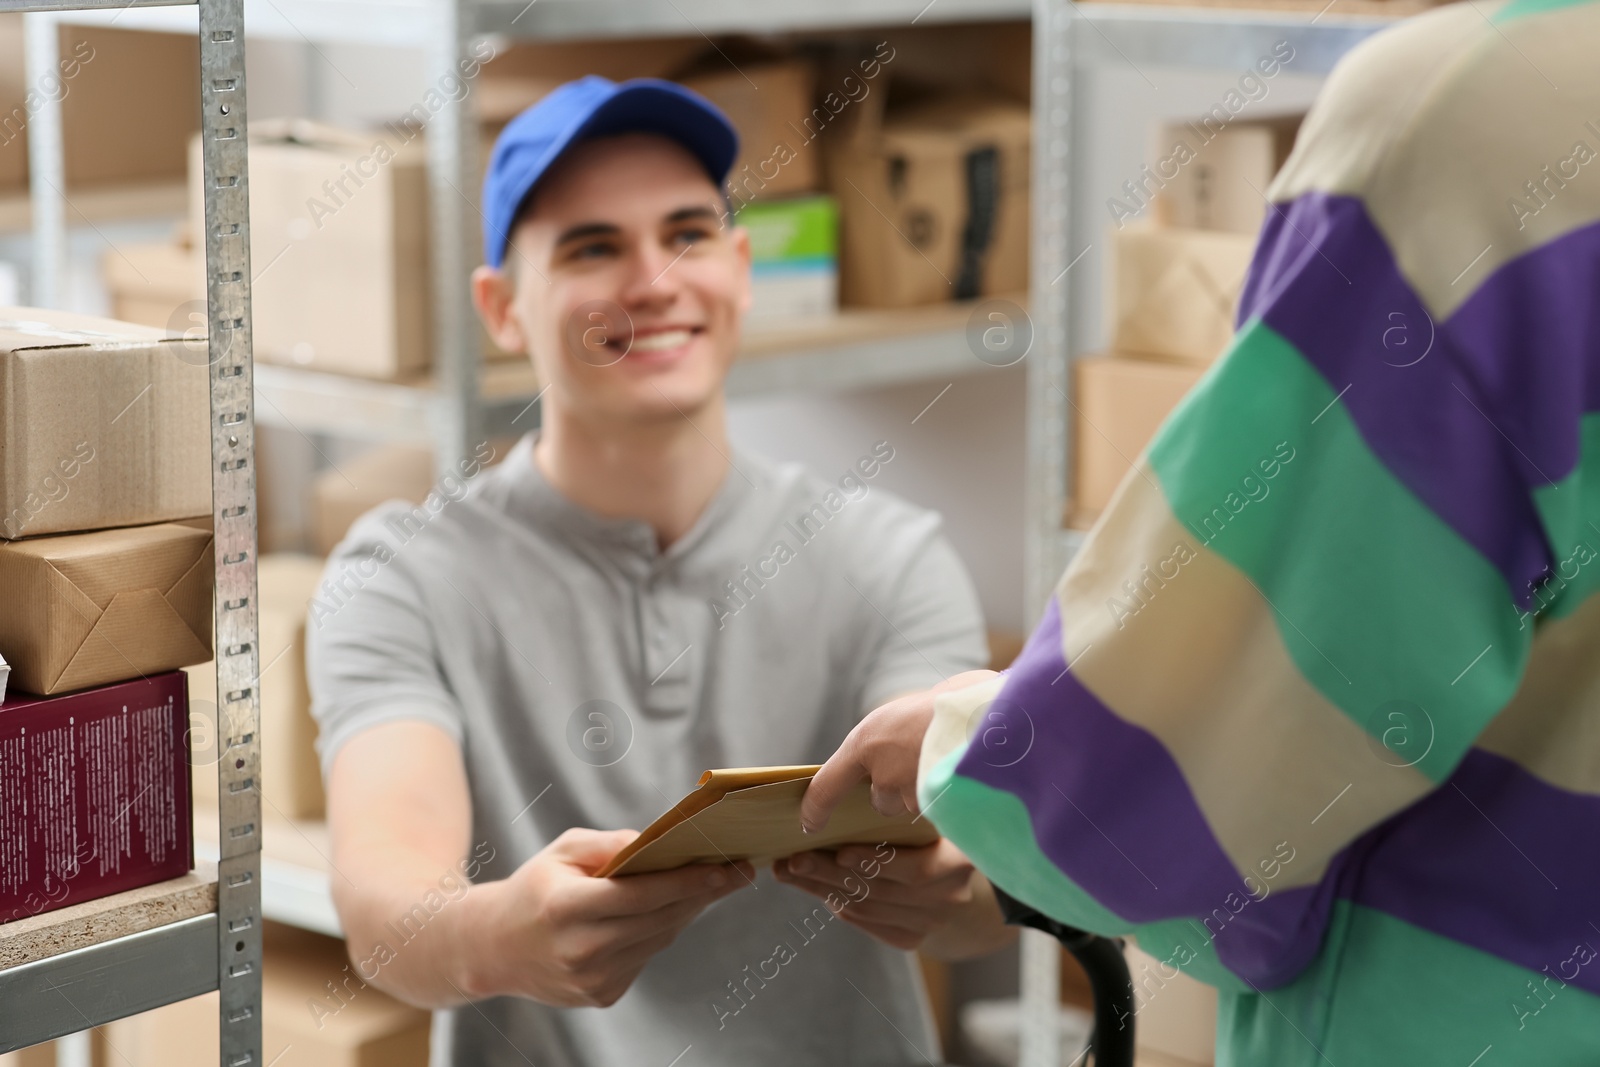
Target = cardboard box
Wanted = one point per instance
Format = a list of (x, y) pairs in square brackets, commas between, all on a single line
[(130, 100), (91, 608), (341, 496), (933, 201), (387, 472), (363, 1028), (794, 259), (770, 105), (33, 1056), (291, 777), (1175, 1018), (339, 247), (94, 793), (1121, 402), (160, 284), (1220, 171), (1174, 293), (523, 72), (104, 424)]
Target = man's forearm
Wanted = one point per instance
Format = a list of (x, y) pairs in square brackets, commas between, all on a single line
[(418, 938)]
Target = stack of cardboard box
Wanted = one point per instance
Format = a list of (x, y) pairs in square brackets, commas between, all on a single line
[(105, 572), (1173, 290)]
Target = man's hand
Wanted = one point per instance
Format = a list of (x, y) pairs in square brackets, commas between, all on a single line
[(884, 747), (564, 937), (927, 898)]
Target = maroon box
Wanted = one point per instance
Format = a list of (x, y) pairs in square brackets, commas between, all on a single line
[(94, 793)]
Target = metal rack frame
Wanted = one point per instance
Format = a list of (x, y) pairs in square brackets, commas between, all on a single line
[(74, 991), (1069, 41)]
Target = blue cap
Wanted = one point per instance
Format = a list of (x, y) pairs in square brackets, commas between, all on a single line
[(593, 106)]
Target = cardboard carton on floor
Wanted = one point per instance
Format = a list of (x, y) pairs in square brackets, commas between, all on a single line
[(1121, 403), (105, 424), (291, 777), (933, 201), (1174, 292), (94, 798), (339, 247), (369, 1029), (91, 608)]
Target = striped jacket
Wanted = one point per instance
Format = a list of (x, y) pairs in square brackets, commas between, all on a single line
[(1314, 715)]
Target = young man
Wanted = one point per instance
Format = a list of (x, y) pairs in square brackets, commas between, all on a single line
[(515, 684), (1330, 734)]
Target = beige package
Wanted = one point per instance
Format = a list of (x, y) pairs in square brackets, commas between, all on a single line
[(1174, 292), (291, 777), (1219, 176), (338, 246), (910, 182), (1122, 401), (777, 153), (86, 609), (101, 424)]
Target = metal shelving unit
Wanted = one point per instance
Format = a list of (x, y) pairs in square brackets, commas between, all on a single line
[(1070, 41), (220, 950)]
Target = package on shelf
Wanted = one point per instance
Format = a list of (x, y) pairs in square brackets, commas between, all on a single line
[(110, 134), (157, 283), (291, 778), (933, 200), (794, 259), (94, 793), (33, 1056), (90, 608), (1174, 292), (1122, 401), (345, 1024), (339, 247), (519, 74), (340, 496), (770, 103), (1214, 176), (106, 424)]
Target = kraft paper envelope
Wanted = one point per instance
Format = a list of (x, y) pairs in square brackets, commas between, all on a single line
[(753, 813), (85, 609)]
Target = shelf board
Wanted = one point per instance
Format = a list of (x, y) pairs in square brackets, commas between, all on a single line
[(412, 23), (94, 921), (101, 203), (855, 349), (296, 872), (86, 964)]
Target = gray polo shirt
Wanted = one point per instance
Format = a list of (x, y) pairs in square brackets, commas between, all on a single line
[(589, 678)]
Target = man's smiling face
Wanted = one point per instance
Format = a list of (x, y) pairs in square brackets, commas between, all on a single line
[(624, 283)]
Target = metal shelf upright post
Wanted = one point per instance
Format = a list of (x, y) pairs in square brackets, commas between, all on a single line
[(87, 986)]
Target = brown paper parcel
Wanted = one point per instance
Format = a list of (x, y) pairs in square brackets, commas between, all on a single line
[(753, 813), (102, 423), (85, 609)]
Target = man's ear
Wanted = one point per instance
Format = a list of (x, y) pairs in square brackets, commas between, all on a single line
[(492, 294), (741, 248)]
